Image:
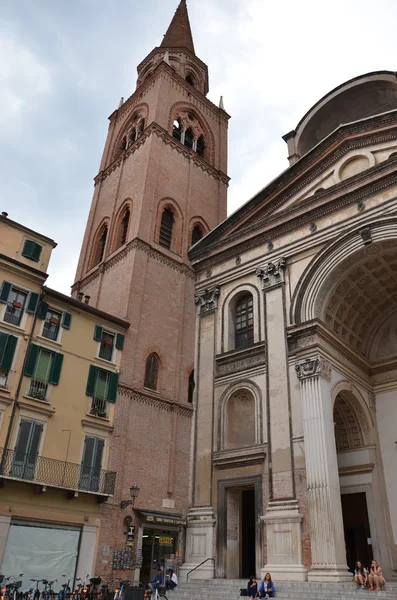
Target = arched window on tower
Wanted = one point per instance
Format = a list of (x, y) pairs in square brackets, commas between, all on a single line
[(191, 386), (200, 146), (189, 79), (244, 322), (151, 372), (189, 138), (99, 249), (167, 224), (122, 230), (197, 234), (177, 130)]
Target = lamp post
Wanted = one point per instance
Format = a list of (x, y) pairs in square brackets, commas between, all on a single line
[(134, 491)]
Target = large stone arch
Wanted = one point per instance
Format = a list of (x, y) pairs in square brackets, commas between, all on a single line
[(341, 285), (354, 427)]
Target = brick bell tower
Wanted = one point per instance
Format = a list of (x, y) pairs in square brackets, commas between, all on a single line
[(162, 185)]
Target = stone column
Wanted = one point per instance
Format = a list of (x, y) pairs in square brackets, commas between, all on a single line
[(201, 519), (325, 507), (282, 519)]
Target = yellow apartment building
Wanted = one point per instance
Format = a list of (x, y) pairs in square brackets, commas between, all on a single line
[(59, 365)]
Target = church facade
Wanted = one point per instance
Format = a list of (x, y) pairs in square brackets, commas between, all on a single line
[(295, 446), (161, 186)]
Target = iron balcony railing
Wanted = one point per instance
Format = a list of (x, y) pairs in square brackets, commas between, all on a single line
[(57, 473), (38, 390), (99, 407)]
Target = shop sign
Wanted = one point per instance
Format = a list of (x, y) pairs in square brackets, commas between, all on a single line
[(166, 541), (164, 520), (131, 535)]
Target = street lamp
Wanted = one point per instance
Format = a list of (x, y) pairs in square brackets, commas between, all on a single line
[(134, 491)]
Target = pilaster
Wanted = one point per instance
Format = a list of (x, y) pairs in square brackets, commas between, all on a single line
[(325, 507), (282, 520), (201, 519)]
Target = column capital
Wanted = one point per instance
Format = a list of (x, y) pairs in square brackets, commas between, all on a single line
[(316, 366), (272, 274), (207, 300)]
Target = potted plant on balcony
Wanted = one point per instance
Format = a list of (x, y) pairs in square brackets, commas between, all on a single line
[(54, 320), (38, 395), (16, 304), (108, 342)]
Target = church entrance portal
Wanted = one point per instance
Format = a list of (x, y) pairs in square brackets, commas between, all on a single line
[(239, 528), (357, 532)]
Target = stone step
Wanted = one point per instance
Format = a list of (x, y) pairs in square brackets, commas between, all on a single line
[(222, 589)]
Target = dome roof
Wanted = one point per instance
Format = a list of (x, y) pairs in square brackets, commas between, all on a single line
[(361, 97)]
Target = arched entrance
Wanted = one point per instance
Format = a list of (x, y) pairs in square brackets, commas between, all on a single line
[(348, 295), (354, 448)]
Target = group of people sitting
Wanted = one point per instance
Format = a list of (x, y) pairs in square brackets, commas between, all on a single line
[(171, 580), (372, 578), (265, 589)]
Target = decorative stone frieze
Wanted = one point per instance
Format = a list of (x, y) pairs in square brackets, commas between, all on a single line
[(313, 367), (272, 274), (207, 300), (240, 361)]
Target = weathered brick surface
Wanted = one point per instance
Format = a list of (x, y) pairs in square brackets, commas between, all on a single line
[(153, 288)]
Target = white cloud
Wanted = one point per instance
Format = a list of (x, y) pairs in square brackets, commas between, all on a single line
[(64, 66)]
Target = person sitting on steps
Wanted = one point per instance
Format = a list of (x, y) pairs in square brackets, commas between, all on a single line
[(375, 577), (267, 589), (172, 580), (252, 587), (360, 575)]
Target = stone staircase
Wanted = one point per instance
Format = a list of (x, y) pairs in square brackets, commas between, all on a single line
[(229, 589)]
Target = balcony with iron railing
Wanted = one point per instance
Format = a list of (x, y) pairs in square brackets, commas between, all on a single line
[(99, 408), (38, 390), (50, 472)]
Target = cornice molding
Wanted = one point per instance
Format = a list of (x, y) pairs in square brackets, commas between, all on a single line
[(136, 244), (302, 173), (155, 129), (156, 402), (334, 202)]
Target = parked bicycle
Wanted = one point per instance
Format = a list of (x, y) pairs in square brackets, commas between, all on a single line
[(119, 592), (11, 590), (65, 590)]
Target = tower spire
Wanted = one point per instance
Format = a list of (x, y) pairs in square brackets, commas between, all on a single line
[(179, 33)]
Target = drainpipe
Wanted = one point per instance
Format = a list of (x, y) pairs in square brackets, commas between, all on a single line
[(18, 391)]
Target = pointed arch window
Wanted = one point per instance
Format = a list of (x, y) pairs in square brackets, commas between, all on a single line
[(197, 234), (200, 146), (244, 322), (122, 230), (177, 130), (166, 227), (151, 372), (99, 250), (191, 387), (189, 138)]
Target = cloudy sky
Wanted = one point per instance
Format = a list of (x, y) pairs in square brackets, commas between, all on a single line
[(64, 64)]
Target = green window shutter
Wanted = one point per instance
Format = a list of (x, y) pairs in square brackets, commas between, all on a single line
[(66, 320), (3, 346), (32, 302), (91, 381), (119, 341), (31, 250), (56, 368), (5, 291), (42, 310), (112, 389), (9, 351), (31, 361), (98, 333)]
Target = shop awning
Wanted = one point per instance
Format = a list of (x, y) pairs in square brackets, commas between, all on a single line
[(161, 518)]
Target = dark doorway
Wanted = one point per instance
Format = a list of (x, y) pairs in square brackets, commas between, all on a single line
[(248, 564), (357, 531)]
